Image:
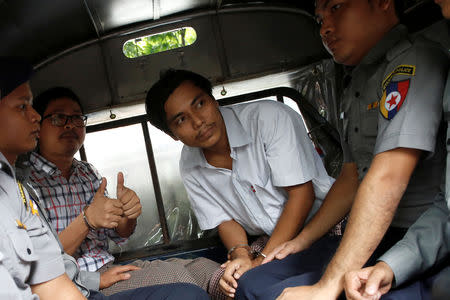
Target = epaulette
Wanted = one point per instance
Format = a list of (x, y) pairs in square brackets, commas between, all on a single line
[(398, 49)]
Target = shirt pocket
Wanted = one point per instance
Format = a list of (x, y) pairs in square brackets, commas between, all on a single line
[(22, 245), (369, 123)]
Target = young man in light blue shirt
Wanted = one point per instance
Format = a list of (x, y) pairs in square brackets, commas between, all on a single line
[(249, 169)]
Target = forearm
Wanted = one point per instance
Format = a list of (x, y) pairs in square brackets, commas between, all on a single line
[(372, 212), (232, 234), (126, 227), (367, 224), (73, 235), (294, 214), (58, 288), (334, 207)]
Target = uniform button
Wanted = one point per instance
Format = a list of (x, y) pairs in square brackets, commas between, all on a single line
[(356, 129), (365, 169), (357, 94), (28, 250)]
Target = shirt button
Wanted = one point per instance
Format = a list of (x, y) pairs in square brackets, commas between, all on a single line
[(29, 250), (356, 129), (357, 94)]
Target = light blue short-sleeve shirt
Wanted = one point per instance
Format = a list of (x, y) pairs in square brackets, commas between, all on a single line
[(270, 149)]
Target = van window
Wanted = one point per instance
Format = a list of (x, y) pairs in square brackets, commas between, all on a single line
[(123, 149), (160, 42), (180, 218)]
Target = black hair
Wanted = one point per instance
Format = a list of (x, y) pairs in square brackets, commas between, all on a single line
[(40, 103), (14, 71), (398, 5), (164, 87)]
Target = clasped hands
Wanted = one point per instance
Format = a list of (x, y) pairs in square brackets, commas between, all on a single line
[(104, 212), (240, 262)]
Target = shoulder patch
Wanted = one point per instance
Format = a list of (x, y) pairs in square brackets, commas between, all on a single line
[(393, 97), (399, 70)]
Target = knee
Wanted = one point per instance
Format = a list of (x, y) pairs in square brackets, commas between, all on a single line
[(246, 286), (189, 291)]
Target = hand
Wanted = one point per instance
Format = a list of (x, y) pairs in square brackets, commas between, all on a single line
[(132, 207), (233, 271), (313, 292), (285, 249), (369, 283), (104, 212), (116, 274)]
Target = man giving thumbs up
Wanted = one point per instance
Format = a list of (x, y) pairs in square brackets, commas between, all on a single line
[(74, 196)]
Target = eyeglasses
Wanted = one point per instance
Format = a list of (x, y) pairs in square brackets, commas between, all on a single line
[(61, 120)]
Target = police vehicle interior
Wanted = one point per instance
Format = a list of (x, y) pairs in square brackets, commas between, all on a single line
[(111, 52)]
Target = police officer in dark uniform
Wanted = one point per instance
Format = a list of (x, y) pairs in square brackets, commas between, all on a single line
[(390, 120)]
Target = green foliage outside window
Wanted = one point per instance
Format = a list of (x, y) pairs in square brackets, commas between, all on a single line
[(159, 42)]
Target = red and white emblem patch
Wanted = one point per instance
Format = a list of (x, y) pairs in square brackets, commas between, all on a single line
[(393, 97), (392, 100)]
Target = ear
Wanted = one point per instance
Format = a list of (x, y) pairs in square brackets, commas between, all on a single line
[(385, 5), (216, 103)]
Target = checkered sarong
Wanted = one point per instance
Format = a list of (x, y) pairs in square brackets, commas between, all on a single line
[(339, 228), (196, 271)]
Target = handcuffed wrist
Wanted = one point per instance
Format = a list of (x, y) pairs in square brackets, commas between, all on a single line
[(86, 221), (252, 254), (244, 246), (257, 254)]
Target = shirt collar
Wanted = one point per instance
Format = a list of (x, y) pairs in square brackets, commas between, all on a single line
[(389, 40), (237, 137), (5, 166)]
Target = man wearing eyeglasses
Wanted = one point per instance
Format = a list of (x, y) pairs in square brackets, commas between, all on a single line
[(73, 194)]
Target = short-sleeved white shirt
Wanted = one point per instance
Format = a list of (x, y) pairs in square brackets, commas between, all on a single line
[(270, 149)]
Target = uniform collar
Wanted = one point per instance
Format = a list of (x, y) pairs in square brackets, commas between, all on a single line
[(389, 40), (43, 165), (237, 137), (5, 166)]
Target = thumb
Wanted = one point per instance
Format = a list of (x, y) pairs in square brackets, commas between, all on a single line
[(102, 188), (120, 183)]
